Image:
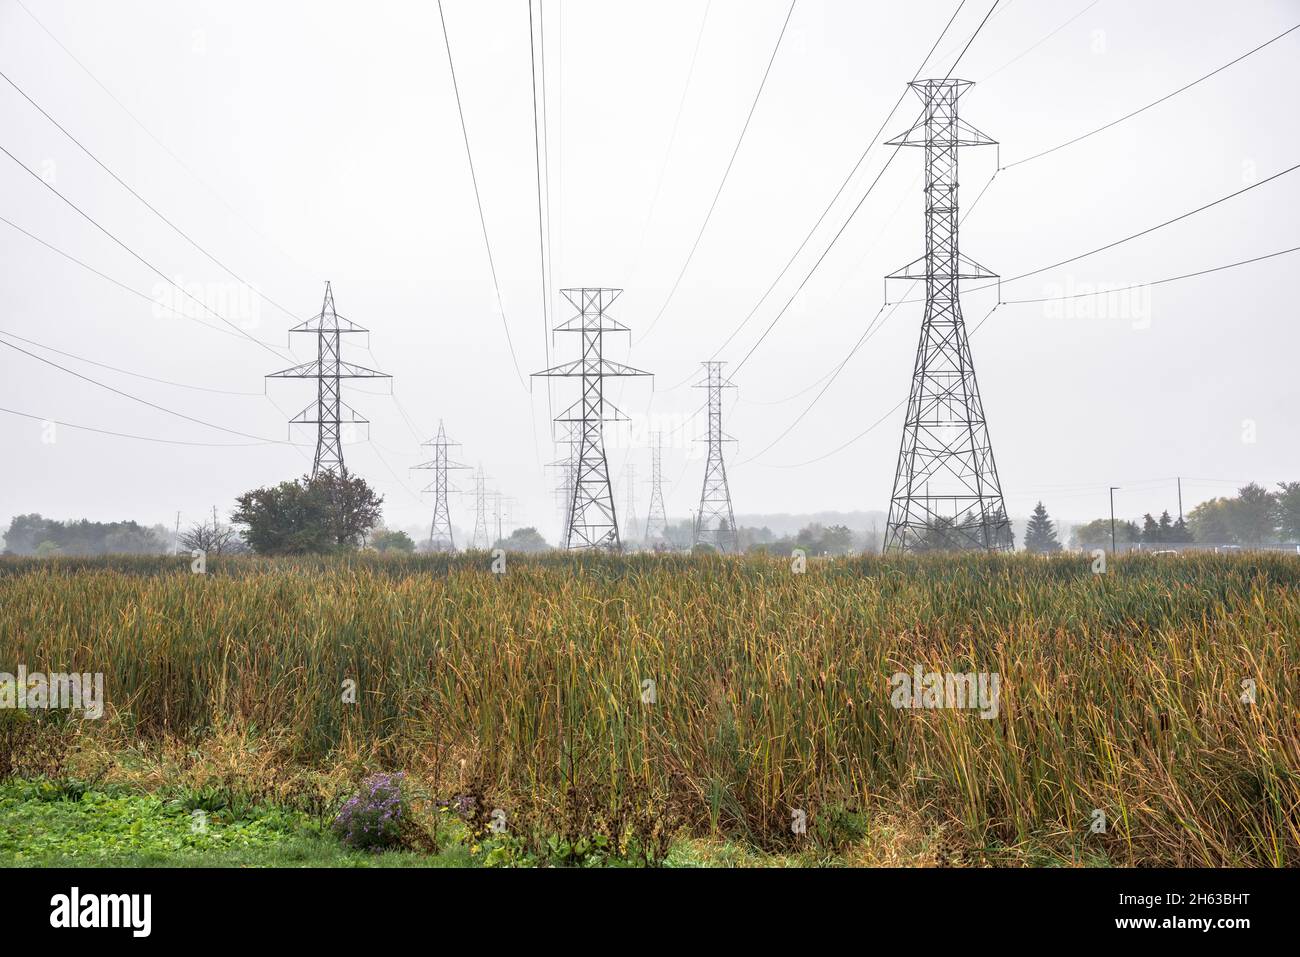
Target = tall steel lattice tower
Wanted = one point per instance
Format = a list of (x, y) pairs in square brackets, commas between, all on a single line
[(329, 413), (440, 537), (480, 537), (656, 522), (568, 466), (629, 516), (592, 520), (946, 492), (715, 523)]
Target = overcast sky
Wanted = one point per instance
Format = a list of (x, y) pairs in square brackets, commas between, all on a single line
[(301, 142)]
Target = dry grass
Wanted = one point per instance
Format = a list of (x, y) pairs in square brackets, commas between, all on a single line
[(1119, 692)]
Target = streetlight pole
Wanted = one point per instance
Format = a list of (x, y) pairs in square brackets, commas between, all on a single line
[(1113, 490)]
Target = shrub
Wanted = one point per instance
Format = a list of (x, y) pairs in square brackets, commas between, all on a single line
[(371, 820)]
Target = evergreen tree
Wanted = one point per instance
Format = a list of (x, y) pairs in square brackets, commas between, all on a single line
[(1150, 530), (1040, 534)]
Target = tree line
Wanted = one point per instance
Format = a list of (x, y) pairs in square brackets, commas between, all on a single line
[(1254, 516)]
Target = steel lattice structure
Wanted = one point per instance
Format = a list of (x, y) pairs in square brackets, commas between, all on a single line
[(480, 537), (329, 413), (656, 523), (946, 491), (715, 523), (440, 536), (629, 516), (592, 522), (567, 465)]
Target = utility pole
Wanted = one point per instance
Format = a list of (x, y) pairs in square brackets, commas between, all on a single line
[(945, 435), (329, 413), (1113, 490), (656, 522), (177, 537), (715, 517), (1180, 498), (440, 536), (592, 523)]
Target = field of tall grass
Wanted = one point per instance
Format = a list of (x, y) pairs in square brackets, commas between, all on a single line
[(727, 694)]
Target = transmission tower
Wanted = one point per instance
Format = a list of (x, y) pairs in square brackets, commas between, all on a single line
[(656, 523), (715, 522), (440, 537), (501, 507), (629, 517), (592, 521), (946, 490), (329, 413), (480, 537), (567, 465)]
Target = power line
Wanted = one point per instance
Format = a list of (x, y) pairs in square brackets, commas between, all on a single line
[(154, 269), (844, 185), (129, 435), (1162, 99), (136, 398), (871, 329), (712, 206), (1131, 236), (541, 223), (1024, 53), (672, 137), (962, 54), (478, 199), (1006, 302), (856, 208), (866, 334), (1155, 282), (1151, 229), (153, 209), (835, 372), (136, 375), (135, 292), (546, 177), (140, 123)]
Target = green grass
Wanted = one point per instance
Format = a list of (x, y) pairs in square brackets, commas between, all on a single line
[(67, 824), (43, 825)]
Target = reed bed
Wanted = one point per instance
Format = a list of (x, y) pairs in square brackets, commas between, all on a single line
[(1120, 692)]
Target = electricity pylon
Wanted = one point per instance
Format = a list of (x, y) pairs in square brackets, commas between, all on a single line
[(715, 523), (327, 413), (946, 490), (480, 537), (656, 522), (440, 537), (501, 507), (592, 520), (629, 516), (567, 464)]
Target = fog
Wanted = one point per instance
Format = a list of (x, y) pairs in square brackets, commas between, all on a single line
[(303, 142)]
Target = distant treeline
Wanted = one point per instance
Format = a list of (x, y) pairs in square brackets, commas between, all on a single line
[(1254, 516), (34, 535)]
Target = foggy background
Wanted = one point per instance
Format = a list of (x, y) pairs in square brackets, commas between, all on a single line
[(303, 142)]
